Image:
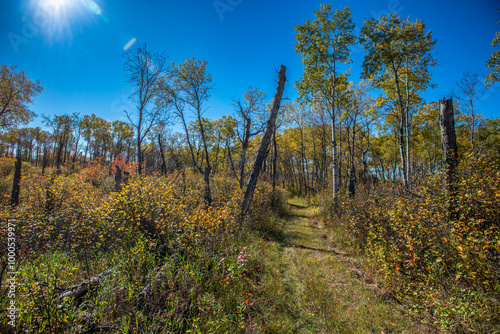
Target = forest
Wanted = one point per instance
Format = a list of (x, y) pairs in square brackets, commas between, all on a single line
[(173, 222)]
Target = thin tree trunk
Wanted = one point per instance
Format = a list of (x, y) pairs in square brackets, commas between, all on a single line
[(243, 159), (163, 163), (230, 157), (401, 128), (208, 194), (335, 175), (44, 159), (86, 151), (76, 148), (402, 151), (58, 157), (139, 149), (208, 168), (407, 128)]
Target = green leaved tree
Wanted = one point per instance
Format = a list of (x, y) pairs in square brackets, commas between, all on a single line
[(324, 45), (398, 58), (493, 63), (16, 93)]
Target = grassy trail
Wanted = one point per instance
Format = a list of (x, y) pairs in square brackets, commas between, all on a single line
[(320, 289)]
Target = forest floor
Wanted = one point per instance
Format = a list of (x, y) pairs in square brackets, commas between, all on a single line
[(319, 288)]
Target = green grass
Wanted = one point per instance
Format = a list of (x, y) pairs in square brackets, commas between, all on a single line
[(309, 286)]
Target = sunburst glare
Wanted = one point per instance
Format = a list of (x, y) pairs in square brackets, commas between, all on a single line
[(60, 18)]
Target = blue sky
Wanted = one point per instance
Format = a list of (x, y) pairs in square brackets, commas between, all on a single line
[(75, 46)]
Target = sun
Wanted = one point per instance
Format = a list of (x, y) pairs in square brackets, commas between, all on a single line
[(58, 8), (59, 20)]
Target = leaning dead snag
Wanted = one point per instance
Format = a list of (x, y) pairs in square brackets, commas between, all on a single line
[(252, 181)]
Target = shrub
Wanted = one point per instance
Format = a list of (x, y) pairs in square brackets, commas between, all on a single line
[(448, 261)]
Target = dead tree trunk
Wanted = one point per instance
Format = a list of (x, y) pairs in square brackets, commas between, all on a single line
[(163, 163), (16, 186), (58, 157), (252, 181), (118, 179), (80, 290), (275, 158), (450, 149), (208, 194)]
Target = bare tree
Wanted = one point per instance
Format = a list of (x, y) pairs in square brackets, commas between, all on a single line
[(250, 116), (192, 89), (62, 129), (145, 70), (469, 91)]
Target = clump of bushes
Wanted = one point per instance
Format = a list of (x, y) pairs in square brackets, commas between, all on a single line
[(441, 252), (173, 263)]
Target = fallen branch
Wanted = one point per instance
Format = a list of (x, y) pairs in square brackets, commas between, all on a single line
[(80, 290)]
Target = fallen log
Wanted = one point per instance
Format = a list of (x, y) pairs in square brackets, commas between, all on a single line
[(80, 290)]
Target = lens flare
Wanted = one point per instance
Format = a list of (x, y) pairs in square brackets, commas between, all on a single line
[(129, 44), (93, 6)]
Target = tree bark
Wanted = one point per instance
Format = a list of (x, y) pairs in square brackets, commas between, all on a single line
[(275, 158), (243, 160), (16, 187), (80, 290), (449, 143), (163, 163), (118, 179), (252, 181), (44, 159), (407, 129), (139, 144), (401, 128), (229, 156), (208, 194), (58, 157), (335, 169)]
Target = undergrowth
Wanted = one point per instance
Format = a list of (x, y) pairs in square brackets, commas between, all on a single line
[(438, 254), (168, 263)]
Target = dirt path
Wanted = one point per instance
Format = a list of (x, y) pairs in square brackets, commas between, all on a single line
[(328, 288)]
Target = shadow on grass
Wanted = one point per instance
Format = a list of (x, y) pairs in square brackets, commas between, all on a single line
[(302, 216), (279, 237), (317, 249), (297, 205)]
